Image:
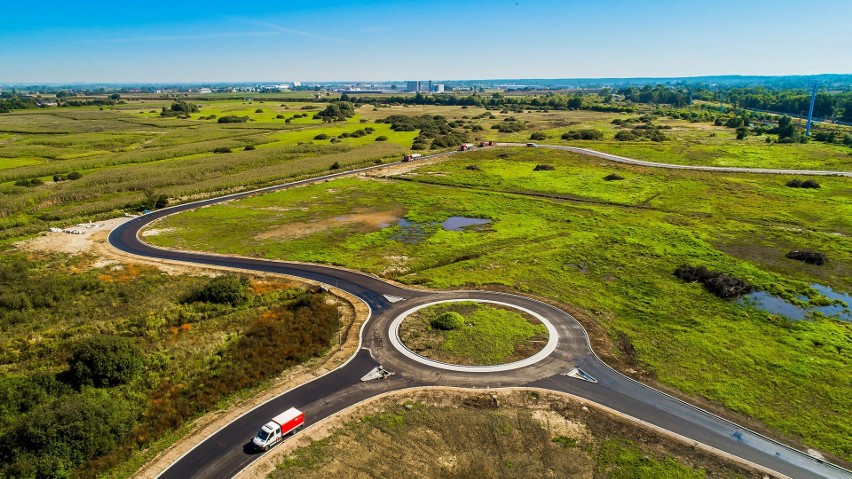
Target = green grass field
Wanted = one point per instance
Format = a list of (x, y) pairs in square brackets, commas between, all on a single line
[(607, 250), (488, 336)]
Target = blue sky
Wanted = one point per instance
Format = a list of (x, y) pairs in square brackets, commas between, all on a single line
[(463, 39)]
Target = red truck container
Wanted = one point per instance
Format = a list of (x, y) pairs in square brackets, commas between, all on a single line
[(274, 431)]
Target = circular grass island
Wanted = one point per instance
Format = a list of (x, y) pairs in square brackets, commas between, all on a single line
[(469, 333)]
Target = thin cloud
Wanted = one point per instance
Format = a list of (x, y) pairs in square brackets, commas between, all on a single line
[(292, 31), (166, 38)]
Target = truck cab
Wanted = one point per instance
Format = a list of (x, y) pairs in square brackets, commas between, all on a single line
[(268, 436)]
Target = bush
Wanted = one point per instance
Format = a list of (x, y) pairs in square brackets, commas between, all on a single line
[(227, 289), (538, 136), (29, 183), (448, 321), (249, 148), (613, 177), (381, 138), (104, 361), (625, 136), (472, 167), (280, 116), (321, 136), (720, 284), (809, 257), (58, 178), (583, 135), (334, 166), (74, 175), (259, 110), (233, 119), (544, 168), (61, 435), (742, 133), (803, 184), (222, 149)]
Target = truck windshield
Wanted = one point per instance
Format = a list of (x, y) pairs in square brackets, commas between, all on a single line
[(262, 435)]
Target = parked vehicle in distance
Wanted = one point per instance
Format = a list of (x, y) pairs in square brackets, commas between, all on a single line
[(465, 146), (281, 425), (411, 156), (483, 144), (531, 145)]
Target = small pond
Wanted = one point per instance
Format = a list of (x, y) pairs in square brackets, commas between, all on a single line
[(459, 223), (776, 305), (414, 232)]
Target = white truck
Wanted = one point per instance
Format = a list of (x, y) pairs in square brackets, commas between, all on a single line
[(281, 425)]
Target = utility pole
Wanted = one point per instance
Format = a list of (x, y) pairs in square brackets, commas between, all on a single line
[(811, 110)]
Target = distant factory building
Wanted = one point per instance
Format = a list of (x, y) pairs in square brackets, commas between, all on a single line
[(424, 86), (412, 86)]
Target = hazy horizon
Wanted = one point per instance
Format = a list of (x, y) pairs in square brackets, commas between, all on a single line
[(223, 42)]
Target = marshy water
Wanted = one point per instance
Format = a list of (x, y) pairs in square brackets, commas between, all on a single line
[(414, 232), (839, 309)]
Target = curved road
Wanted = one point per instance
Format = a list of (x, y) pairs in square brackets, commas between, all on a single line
[(227, 451)]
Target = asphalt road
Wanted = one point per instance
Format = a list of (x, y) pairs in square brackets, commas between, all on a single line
[(226, 452)]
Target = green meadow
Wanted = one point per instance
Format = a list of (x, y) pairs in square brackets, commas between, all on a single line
[(606, 251)]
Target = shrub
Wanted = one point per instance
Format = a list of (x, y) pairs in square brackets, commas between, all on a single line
[(334, 166), (544, 168), (742, 133), (227, 289), (222, 149), (809, 257), (795, 183), (58, 178), (613, 177), (74, 175), (259, 110), (104, 361), (625, 136), (280, 116), (249, 148), (321, 136), (583, 135), (472, 167), (448, 321), (538, 136), (29, 183), (720, 284), (381, 138), (233, 119)]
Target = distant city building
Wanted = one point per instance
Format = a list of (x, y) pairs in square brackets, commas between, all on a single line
[(438, 88), (205, 90)]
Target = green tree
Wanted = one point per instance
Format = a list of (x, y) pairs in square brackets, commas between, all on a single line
[(227, 289), (104, 361)]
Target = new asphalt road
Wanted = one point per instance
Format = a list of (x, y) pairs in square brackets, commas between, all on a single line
[(228, 451)]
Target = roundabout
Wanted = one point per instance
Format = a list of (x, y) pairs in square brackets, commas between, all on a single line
[(565, 364), (547, 350)]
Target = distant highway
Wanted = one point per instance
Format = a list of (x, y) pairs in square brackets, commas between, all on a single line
[(227, 451)]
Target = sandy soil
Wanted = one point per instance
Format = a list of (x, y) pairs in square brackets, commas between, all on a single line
[(372, 220)]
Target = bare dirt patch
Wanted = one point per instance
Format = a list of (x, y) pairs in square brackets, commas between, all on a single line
[(368, 220)]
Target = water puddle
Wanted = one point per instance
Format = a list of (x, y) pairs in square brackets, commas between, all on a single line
[(459, 223), (839, 309), (414, 232)]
